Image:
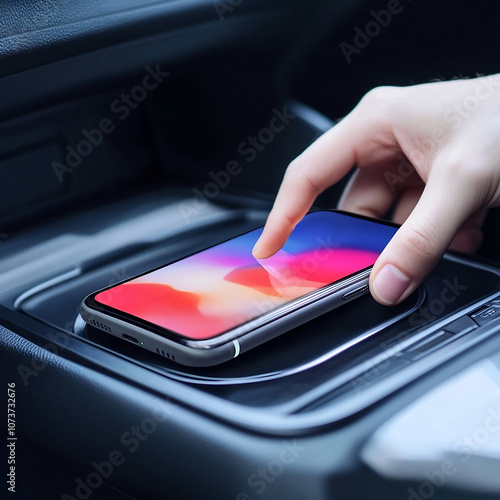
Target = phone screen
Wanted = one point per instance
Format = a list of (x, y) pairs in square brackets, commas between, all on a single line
[(218, 289)]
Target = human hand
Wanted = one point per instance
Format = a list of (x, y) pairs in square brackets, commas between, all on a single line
[(431, 151)]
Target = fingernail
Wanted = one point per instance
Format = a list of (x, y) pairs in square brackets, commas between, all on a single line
[(390, 284), (256, 248)]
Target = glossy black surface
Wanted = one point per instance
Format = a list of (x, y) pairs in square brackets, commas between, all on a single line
[(344, 352)]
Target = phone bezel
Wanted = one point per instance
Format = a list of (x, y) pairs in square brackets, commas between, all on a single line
[(245, 328)]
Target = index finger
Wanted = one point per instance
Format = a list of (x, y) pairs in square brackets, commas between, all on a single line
[(321, 165)]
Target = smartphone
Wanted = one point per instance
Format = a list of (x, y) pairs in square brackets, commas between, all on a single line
[(214, 305)]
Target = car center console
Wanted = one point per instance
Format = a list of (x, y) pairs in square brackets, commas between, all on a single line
[(306, 383)]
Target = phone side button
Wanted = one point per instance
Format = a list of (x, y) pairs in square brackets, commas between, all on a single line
[(236, 348), (353, 293)]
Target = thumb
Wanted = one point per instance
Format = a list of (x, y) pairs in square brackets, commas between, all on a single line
[(422, 240)]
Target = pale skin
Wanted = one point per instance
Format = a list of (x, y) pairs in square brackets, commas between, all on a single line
[(431, 151)]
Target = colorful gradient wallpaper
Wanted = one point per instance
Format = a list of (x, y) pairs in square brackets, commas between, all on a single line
[(222, 287)]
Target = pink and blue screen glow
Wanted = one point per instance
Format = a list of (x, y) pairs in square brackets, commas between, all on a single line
[(218, 289)]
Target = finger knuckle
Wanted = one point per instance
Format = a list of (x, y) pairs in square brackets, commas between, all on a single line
[(378, 96), (457, 166), (295, 167), (464, 170), (298, 172), (419, 242)]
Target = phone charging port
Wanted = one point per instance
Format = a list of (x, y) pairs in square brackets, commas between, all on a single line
[(130, 338)]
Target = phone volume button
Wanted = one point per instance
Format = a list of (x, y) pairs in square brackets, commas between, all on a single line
[(353, 293)]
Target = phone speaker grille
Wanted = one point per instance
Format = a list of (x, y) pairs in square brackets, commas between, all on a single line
[(161, 352), (99, 325)]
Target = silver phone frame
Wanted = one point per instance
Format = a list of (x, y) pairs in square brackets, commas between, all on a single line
[(238, 340)]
